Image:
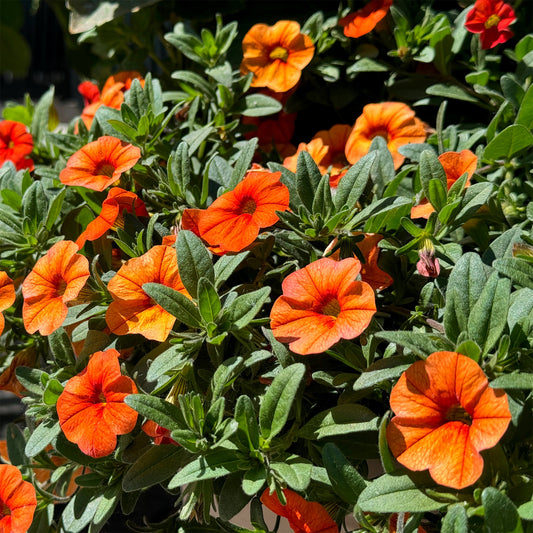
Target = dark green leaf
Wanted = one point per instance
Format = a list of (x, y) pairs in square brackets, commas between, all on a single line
[(42, 436), (508, 142), (456, 520), (160, 411), (353, 183), (501, 516), (194, 261)]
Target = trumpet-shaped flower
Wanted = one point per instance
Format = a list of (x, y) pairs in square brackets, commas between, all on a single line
[(446, 413), (7, 296), (99, 163), (118, 200), (56, 278), (394, 121), (16, 144), (232, 222), (132, 310), (91, 408), (370, 271), (276, 55), (17, 501), (364, 20), (491, 19), (322, 304), (303, 516)]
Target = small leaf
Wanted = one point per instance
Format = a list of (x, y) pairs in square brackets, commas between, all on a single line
[(42, 436), (508, 142), (160, 411), (456, 520), (353, 183), (501, 516)]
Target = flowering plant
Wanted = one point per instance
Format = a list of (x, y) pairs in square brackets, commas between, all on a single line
[(290, 272)]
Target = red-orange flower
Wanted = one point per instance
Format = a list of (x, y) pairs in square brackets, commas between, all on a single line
[(56, 278), (322, 304), (491, 19), (7, 296), (364, 20), (455, 164), (91, 408), (276, 55), (8, 378), (394, 121), (232, 221), (118, 200), (370, 271), (16, 144), (17, 501), (99, 163), (446, 413), (160, 434), (303, 516), (132, 310)]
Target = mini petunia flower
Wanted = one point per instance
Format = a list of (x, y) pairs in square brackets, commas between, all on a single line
[(16, 144), (491, 19), (364, 20), (56, 278), (322, 304), (89, 91), (132, 310), (394, 121), (370, 271), (276, 55), (118, 200), (446, 413), (17, 501), (99, 163), (160, 434), (455, 164), (91, 408), (303, 516), (7, 296), (232, 222), (8, 378)]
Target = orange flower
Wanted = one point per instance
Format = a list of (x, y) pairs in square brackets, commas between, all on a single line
[(370, 271), (56, 278), (394, 121), (8, 378), (322, 304), (18, 501), (364, 20), (99, 163), (118, 200), (132, 310), (160, 434), (455, 164), (16, 144), (190, 220), (91, 408), (317, 150), (276, 55), (446, 413), (303, 516), (233, 220), (7, 296)]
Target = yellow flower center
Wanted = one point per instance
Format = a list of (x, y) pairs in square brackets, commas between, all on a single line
[(105, 169), (457, 413), (492, 21), (248, 206), (61, 287), (11, 145), (279, 53), (332, 308)]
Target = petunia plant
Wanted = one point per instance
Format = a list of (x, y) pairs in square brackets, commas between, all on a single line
[(276, 275)]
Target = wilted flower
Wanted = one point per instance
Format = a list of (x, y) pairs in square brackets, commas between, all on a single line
[(428, 265)]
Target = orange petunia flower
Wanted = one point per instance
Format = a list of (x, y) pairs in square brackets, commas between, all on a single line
[(160, 434), (56, 278), (446, 413), (455, 164), (491, 19), (8, 378), (370, 271), (190, 220), (18, 501), (232, 222), (303, 516), (89, 91), (16, 144), (317, 150), (99, 163), (132, 310), (118, 200), (364, 20), (7, 296), (91, 408), (394, 121), (276, 55), (322, 304)]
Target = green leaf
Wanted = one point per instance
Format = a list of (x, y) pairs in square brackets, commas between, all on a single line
[(353, 183), (179, 169), (42, 436), (106, 506), (345, 479), (35, 204), (244, 308), (508, 142), (154, 466), (450, 91), (257, 105), (16, 444), (224, 374), (295, 471), (382, 370), (387, 459), (340, 420), (194, 261), (420, 343), (216, 464), (243, 163), (245, 416), (175, 303), (501, 516), (322, 202), (278, 399), (431, 169), (208, 301), (515, 381), (518, 270), (15, 51), (456, 520), (526, 511), (226, 265), (254, 480), (54, 210), (308, 177), (61, 347), (80, 511), (41, 116), (231, 498), (160, 411), (172, 358), (396, 494)]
